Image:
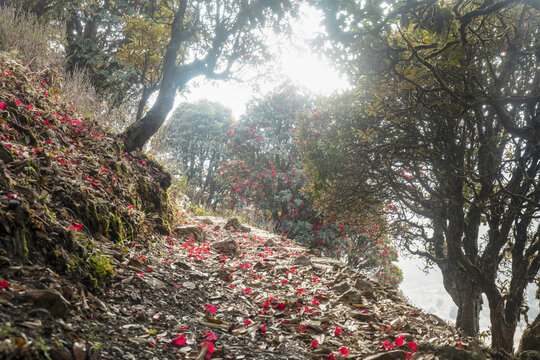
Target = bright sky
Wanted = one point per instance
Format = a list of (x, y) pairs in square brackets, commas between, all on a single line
[(296, 61)]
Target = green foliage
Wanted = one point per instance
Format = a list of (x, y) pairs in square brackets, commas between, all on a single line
[(443, 127), (265, 175), (215, 39), (193, 145)]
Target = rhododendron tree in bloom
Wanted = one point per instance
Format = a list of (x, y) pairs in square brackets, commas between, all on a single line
[(265, 175)]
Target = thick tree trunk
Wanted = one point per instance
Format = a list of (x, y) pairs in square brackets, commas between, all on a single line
[(468, 298), (139, 132), (469, 307), (502, 332), (531, 337)]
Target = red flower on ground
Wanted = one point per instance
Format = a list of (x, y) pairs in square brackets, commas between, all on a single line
[(337, 331), (314, 344), (343, 350), (75, 226), (3, 106), (4, 284), (413, 346), (210, 350), (247, 322), (210, 336), (400, 340), (211, 308), (179, 340)]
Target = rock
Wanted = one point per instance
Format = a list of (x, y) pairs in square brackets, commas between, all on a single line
[(4, 262), (155, 283), (206, 221), (79, 349), (235, 224), (315, 252), (388, 355), (50, 300), (361, 284), (189, 285), (351, 296), (270, 243), (302, 260), (61, 354), (6, 155), (363, 317), (225, 275), (191, 232), (229, 247), (136, 263), (341, 287)]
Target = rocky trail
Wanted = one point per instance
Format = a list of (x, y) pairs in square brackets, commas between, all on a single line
[(213, 291)]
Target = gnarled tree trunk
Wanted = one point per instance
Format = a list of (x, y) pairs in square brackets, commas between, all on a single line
[(467, 296)]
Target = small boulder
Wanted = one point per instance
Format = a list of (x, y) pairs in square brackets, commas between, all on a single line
[(50, 300), (302, 260), (341, 287), (351, 296), (314, 251), (235, 224), (191, 232), (206, 221), (225, 275), (361, 284), (270, 243), (229, 247)]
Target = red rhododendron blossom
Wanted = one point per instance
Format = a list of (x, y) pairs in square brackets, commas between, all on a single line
[(3, 106), (399, 340), (211, 308), (413, 346), (247, 322), (387, 346), (314, 344), (179, 340), (408, 355), (343, 350), (332, 356), (210, 336), (337, 331), (4, 284), (263, 328), (75, 226), (210, 350), (247, 291), (315, 302), (279, 306)]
